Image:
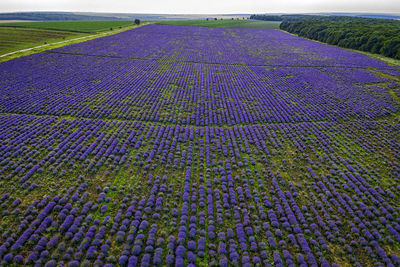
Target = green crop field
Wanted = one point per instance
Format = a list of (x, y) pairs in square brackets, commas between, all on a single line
[(225, 23), (13, 39), (19, 38), (72, 26)]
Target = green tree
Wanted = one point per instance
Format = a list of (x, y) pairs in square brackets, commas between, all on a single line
[(390, 47)]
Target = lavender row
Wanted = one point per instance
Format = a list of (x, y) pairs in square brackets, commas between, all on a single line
[(108, 161), (135, 193), (221, 45), (192, 93)]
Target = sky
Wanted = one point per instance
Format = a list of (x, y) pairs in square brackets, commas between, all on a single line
[(204, 6)]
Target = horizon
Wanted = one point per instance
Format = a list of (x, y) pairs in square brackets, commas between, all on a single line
[(178, 7), (243, 13)]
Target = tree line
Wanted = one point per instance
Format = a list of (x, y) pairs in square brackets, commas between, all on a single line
[(266, 17), (379, 36), (303, 17)]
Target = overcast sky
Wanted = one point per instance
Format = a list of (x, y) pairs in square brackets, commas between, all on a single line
[(204, 6)]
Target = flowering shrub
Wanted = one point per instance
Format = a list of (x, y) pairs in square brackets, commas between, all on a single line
[(188, 146)]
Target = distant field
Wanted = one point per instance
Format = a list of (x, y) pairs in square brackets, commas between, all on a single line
[(71, 26), (225, 23), (13, 20), (13, 39)]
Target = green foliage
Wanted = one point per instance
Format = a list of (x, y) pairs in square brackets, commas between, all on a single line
[(225, 23), (266, 17), (71, 26), (377, 36), (301, 17)]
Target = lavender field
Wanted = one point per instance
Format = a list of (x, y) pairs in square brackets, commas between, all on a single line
[(195, 146)]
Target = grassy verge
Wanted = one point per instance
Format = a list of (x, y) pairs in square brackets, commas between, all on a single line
[(225, 23), (59, 43), (387, 60)]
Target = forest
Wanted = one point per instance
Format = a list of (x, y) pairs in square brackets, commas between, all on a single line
[(378, 36), (369, 35)]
